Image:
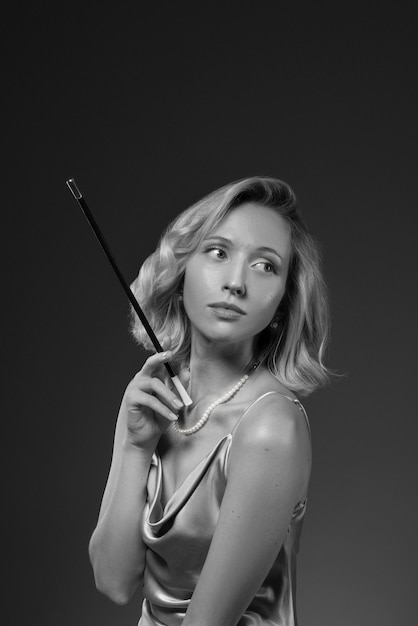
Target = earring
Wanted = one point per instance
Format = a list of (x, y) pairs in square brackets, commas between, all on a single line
[(274, 324), (180, 297)]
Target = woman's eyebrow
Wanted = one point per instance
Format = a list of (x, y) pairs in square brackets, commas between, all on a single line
[(218, 238), (267, 249), (260, 249)]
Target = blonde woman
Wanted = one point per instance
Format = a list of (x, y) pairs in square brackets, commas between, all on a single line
[(204, 506)]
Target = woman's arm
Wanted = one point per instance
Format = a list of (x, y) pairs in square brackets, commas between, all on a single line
[(116, 549), (268, 474)]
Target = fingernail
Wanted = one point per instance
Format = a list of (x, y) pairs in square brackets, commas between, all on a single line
[(178, 403), (165, 355), (173, 417)]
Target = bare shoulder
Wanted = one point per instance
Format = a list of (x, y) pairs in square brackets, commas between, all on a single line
[(274, 418), (274, 432)]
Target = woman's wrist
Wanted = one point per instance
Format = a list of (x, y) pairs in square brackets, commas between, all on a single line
[(144, 452)]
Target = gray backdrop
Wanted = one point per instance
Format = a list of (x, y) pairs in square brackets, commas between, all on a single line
[(150, 107)]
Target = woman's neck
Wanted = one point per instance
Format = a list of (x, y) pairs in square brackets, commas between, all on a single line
[(214, 368)]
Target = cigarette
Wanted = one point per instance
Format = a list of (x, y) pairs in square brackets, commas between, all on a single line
[(185, 398)]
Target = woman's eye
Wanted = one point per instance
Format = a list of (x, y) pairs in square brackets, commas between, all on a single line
[(267, 267), (216, 252)]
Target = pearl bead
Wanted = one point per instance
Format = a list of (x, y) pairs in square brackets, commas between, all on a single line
[(211, 407)]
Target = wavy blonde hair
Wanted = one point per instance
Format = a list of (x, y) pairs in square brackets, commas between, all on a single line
[(294, 351)]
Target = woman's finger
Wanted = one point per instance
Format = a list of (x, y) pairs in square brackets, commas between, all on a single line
[(166, 393), (154, 362), (141, 399), (161, 389), (156, 387)]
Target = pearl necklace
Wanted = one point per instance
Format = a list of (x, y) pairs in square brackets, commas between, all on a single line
[(206, 414)]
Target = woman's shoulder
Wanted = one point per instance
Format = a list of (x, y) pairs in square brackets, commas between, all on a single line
[(273, 415), (273, 438)]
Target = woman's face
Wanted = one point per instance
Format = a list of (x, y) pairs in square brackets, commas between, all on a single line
[(234, 283)]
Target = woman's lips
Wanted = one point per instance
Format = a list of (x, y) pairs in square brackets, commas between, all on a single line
[(227, 314), (227, 305)]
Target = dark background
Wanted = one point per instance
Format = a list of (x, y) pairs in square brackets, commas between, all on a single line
[(150, 107)]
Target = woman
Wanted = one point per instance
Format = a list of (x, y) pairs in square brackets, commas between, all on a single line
[(204, 506)]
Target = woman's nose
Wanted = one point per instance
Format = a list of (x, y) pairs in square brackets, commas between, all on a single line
[(238, 290), (235, 280)]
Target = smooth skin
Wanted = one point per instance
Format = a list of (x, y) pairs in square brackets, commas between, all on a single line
[(244, 262)]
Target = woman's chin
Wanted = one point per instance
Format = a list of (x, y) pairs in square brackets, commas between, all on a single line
[(222, 336)]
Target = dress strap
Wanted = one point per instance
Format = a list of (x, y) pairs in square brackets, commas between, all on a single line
[(301, 408), (269, 393)]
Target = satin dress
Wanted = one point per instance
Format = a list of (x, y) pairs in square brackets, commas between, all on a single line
[(178, 538)]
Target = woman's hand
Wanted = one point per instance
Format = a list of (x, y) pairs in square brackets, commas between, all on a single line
[(117, 550), (149, 403)]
